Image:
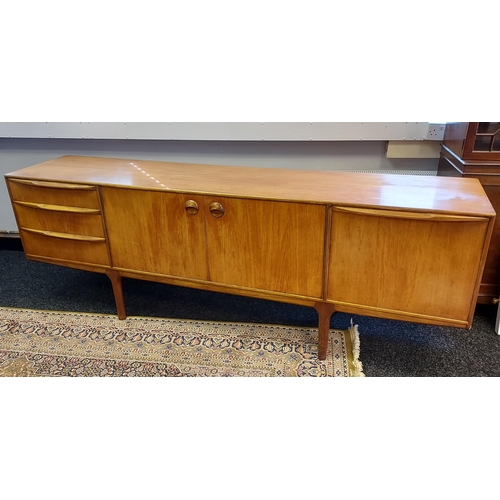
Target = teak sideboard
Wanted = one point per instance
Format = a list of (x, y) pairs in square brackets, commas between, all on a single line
[(410, 248)]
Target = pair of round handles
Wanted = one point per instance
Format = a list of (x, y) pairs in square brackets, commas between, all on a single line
[(216, 209)]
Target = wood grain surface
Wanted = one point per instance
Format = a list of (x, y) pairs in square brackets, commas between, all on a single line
[(427, 193)]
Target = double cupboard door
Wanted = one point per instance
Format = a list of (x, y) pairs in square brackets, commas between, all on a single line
[(265, 245)]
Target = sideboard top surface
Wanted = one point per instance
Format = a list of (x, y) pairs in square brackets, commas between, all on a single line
[(407, 192)]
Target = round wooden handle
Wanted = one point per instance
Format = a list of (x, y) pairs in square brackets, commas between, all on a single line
[(191, 207), (216, 209)]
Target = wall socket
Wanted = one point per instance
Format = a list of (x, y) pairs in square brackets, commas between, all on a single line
[(435, 132)]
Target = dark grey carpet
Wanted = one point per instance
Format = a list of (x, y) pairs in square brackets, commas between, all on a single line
[(388, 348)]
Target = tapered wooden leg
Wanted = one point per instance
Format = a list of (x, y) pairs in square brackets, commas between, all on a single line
[(325, 312), (116, 282)]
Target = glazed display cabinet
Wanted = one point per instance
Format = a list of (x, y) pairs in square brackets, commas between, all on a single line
[(472, 150)]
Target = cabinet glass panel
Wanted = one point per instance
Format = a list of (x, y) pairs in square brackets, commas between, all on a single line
[(488, 127), (482, 143)]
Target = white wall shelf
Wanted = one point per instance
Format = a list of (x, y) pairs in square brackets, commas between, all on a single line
[(228, 131)]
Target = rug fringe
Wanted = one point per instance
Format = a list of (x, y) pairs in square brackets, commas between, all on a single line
[(357, 366)]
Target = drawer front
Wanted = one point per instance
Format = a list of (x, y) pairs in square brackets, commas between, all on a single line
[(65, 247), (88, 224), (52, 193), (60, 221)]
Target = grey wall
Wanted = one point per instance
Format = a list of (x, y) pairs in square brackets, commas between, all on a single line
[(328, 155)]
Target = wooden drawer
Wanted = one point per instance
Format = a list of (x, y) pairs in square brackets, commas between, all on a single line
[(84, 221), (54, 193), (73, 248)]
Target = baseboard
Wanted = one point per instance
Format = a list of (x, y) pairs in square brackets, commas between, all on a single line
[(10, 242)]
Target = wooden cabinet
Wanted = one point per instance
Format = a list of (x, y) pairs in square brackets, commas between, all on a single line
[(473, 150), (401, 247), (474, 140)]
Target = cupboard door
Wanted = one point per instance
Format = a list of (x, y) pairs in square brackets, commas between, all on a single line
[(155, 232), (266, 245), (425, 264)]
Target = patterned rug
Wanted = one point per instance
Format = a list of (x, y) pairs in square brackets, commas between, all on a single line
[(60, 344)]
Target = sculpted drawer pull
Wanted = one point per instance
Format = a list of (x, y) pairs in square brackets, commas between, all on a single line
[(58, 185), (191, 207), (216, 209), (59, 208), (65, 236), (398, 214)]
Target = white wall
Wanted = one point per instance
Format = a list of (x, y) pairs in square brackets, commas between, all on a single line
[(314, 155)]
